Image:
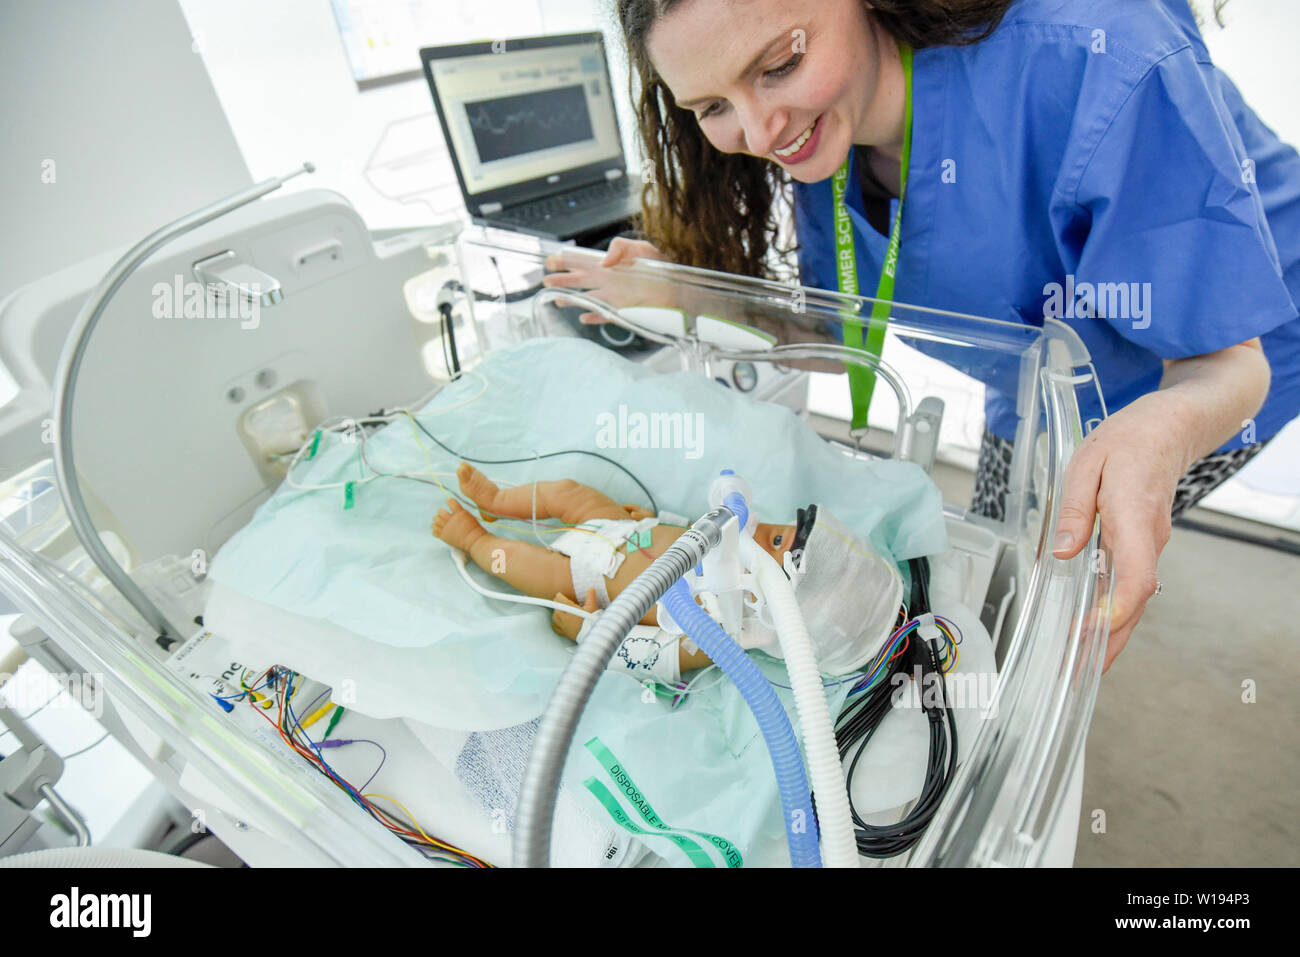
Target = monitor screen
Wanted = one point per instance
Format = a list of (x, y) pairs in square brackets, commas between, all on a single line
[(522, 114)]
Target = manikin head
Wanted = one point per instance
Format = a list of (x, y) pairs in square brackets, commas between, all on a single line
[(776, 540)]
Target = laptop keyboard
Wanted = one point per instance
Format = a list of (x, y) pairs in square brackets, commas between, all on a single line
[(554, 207)]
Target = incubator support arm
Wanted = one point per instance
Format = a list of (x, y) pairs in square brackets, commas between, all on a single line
[(28, 776)]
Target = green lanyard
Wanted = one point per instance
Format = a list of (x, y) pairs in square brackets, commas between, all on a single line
[(862, 381)]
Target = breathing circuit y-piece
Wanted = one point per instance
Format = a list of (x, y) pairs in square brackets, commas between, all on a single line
[(720, 579)]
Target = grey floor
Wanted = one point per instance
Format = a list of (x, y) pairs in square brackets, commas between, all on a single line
[(1186, 772)]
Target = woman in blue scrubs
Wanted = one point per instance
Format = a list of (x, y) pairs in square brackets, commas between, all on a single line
[(1080, 160)]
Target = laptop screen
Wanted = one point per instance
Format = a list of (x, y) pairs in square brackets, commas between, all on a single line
[(525, 113)]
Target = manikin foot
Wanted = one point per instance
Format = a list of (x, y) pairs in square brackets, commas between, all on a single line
[(457, 527), (478, 488)]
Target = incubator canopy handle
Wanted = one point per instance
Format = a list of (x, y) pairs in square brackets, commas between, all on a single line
[(226, 274)]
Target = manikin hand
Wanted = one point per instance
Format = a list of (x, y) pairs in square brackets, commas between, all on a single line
[(568, 625)]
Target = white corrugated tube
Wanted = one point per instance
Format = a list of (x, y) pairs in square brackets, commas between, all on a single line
[(825, 773)]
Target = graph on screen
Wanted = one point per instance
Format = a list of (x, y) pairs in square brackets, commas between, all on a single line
[(510, 126)]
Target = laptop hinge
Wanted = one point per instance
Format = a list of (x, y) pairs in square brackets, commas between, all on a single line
[(487, 209), (613, 174)]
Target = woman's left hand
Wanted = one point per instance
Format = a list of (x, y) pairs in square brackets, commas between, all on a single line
[(1128, 469), (1126, 472), (576, 269)]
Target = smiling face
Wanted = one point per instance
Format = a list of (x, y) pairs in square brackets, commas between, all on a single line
[(796, 82)]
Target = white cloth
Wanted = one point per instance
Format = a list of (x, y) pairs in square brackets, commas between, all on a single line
[(594, 555), (489, 766), (848, 593), (646, 653)]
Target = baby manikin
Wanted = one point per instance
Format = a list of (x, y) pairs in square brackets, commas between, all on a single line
[(848, 593)]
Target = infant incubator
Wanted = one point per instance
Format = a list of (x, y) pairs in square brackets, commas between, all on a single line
[(253, 436)]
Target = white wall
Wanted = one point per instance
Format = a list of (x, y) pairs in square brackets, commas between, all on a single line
[(289, 93), (1259, 47), (110, 129)]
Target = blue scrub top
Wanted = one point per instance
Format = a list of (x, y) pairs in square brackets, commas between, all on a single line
[(1088, 142)]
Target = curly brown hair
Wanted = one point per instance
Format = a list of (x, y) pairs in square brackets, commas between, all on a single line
[(702, 207), (1218, 11)]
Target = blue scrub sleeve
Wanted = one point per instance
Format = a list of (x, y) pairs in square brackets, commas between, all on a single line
[(1178, 235)]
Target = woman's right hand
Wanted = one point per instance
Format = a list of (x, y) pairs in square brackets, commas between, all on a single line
[(574, 271)]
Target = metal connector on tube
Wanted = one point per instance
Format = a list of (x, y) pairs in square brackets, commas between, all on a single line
[(65, 379)]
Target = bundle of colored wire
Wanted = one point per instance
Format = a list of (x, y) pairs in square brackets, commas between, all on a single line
[(862, 719), (898, 644), (284, 685)]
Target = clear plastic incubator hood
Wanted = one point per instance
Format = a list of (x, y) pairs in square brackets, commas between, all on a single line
[(254, 432)]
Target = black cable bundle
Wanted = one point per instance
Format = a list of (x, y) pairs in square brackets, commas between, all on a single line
[(449, 353), (862, 719)]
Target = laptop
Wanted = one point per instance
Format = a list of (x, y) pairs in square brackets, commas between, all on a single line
[(532, 131)]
